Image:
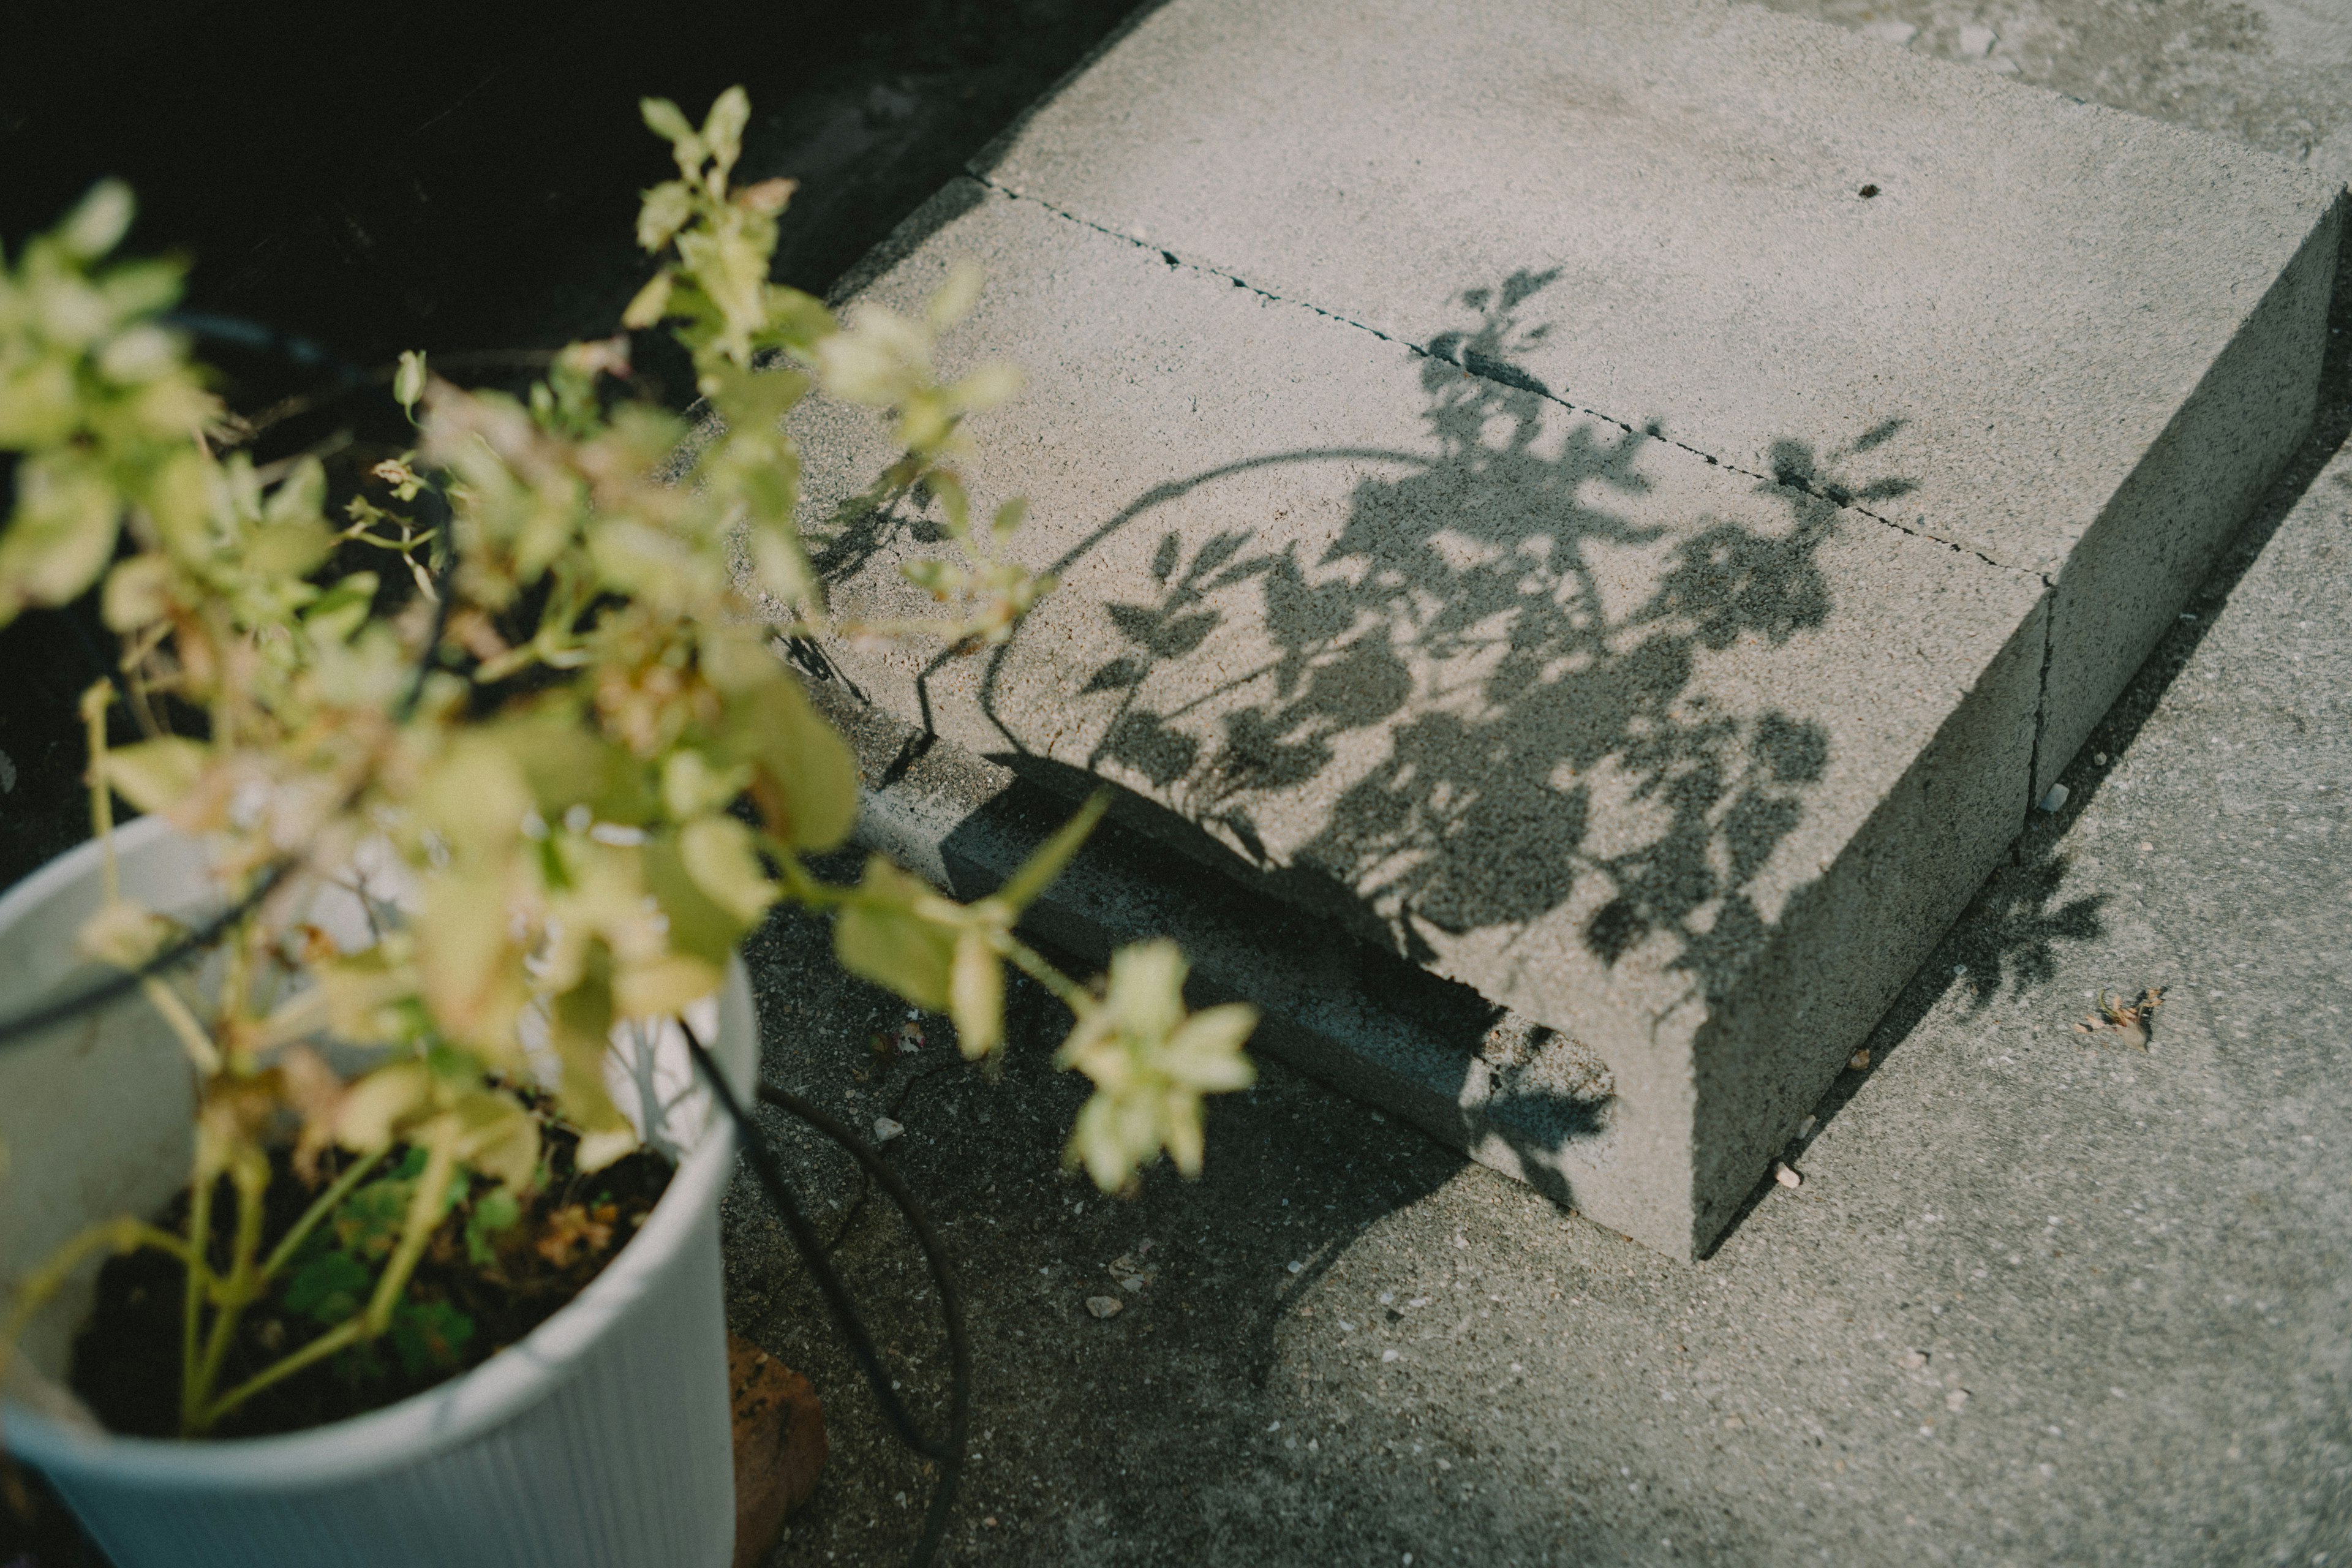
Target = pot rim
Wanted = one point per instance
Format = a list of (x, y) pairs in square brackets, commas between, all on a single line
[(449, 1413)]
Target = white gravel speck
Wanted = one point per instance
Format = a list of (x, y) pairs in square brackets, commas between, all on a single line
[(1104, 1306), (1387, 1356), (884, 1129), (1785, 1176), (1297, 1268)]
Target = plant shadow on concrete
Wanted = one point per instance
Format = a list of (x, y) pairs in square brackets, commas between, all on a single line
[(1469, 620)]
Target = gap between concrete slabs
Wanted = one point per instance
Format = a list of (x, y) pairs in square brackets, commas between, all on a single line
[(1861, 831)]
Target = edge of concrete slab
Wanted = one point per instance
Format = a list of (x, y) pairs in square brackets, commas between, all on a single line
[(2142, 558)]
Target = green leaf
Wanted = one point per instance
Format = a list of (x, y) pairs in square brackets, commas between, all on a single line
[(329, 1288), (495, 1211), (429, 1336)]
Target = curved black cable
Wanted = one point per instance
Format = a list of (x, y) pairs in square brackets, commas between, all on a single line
[(948, 1455)]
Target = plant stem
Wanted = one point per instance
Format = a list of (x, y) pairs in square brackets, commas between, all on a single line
[(175, 1012), (350, 1331), (325, 1204), (122, 1233), (424, 1213), (94, 704), (200, 1278), (241, 1286), (1071, 994)]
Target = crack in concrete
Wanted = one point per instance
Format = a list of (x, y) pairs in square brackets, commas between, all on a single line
[(1503, 375), (2041, 695)]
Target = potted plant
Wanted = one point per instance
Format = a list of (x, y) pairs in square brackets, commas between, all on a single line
[(367, 1214)]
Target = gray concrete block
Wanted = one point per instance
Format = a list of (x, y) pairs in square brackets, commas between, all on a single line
[(1686, 765), (2073, 341)]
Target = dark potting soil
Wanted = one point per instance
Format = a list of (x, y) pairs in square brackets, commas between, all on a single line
[(480, 1287)]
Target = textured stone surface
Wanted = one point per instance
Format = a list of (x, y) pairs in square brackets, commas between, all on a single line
[(1683, 764), (2076, 342)]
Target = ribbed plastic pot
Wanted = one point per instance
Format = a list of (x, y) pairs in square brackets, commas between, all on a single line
[(601, 1440)]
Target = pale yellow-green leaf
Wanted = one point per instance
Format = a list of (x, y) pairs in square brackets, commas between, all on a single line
[(381, 1105), (976, 995), (123, 934), (61, 537), (664, 987), (498, 1138), (664, 118), (988, 386), (722, 129), (408, 380), (137, 592), (156, 775), (468, 962), (879, 936), (720, 857), (138, 354), (692, 785), (666, 209), (646, 307), (952, 300), (98, 221), (804, 778), (476, 799)]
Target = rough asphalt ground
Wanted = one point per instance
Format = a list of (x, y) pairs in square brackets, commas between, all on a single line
[(2040, 1298)]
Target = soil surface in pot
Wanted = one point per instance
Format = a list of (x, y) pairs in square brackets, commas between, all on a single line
[(496, 1269)]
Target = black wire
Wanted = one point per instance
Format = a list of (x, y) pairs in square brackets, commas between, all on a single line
[(948, 1455)]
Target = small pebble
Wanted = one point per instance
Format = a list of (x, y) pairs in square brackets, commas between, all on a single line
[(884, 1129), (2056, 799), (1805, 1127), (1297, 1268), (1859, 1061), (1912, 1361), (1388, 1355), (1976, 43), (1104, 1306), (1956, 1398), (1785, 1176)]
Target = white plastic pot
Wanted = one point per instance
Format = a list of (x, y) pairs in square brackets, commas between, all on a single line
[(602, 1440)]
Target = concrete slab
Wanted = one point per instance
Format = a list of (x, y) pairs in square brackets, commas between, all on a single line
[(1684, 765), (2072, 341)]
